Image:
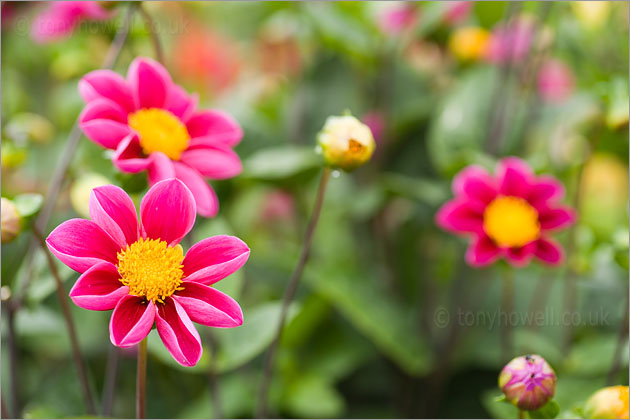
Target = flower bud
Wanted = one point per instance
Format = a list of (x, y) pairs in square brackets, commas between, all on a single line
[(528, 382), (608, 403), (345, 142), (10, 221)]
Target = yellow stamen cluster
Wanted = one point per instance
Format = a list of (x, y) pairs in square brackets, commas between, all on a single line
[(511, 221), (151, 269), (160, 131)]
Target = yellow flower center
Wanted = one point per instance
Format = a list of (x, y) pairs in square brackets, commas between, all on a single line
[(160, 131), (511, 221), (151, 269)]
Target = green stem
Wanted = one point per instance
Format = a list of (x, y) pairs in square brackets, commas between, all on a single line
[(507, 305), (155, 39), (290, 293), (72, 333), (141, 380)]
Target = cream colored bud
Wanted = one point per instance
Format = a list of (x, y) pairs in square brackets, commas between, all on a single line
[(346, 143), (11, 221), (82, 188)]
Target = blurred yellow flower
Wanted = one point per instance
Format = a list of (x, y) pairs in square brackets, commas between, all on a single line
[(470, 43), (346, 142), (82, 188), (591, 14), (11, 221), (608, 403)]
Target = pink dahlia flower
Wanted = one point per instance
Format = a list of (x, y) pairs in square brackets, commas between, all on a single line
[(139, 270), (154, 125), (508, 215), (61, 17)]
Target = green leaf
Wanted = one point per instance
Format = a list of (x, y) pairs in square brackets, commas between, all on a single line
[(547, 411), (238, 346), (311, 396), (281, 163), (383, 319), (28, 204)]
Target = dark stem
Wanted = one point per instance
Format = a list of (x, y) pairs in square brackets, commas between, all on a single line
[(507, 306), (539, 299), (621, 340), (67, 155), (521, 414), (5, 411), (213, 378), (72, 333), (141, 380), (109, 386), (13, 358), (155, 39), (290, 293)]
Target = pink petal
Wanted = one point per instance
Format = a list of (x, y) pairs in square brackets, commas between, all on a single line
[(214, 127), (208, 306), (514, 176), (167, 211), (460, 216), (205, 198), (161, 168), (129, 156), (109, 85), (180, 103), (150, 83), (520, 257), (214, 162), (80, 244), (99, 288), (557, 218), (475, 183), (53, 24), (549, 251), (107, 133), (103, 109), (113, 210), (178, 333), (131, 321), (214, 258), (482, 251), (544, 189)]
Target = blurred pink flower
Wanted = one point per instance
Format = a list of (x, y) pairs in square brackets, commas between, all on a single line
[(511, 43), (154, 125), (398, 18), (278, 205), (61, 17), (555, 81), (508, 215), (375, 120), (138, 269), (457, 11)]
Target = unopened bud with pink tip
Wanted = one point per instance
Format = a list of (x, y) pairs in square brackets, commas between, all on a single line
[(528, 382)]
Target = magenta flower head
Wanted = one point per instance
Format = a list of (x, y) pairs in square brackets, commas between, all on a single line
[(139, 270), (509, 215), (555, 81), (154, 125), (61, 17), (528, 382), (398, 18)]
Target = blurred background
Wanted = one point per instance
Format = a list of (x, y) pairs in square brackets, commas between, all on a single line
[(388, 321)]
